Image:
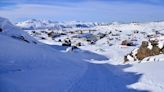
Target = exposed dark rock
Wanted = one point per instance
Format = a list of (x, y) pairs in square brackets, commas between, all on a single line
[(67, 42), (127, 43), (162, 50), (136, 31), (157, 32), (126, 59), (150, 36), (59, 40), (20, 38), (78, 44), (33, 32), (50, 34), (43, 38), (101, 35), (92, 42), (34, 42), (1, 30), (53, 34)]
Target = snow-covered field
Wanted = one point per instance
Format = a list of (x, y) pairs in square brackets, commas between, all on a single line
[(93, 63)]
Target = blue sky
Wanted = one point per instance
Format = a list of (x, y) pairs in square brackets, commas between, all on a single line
[(83, 10)]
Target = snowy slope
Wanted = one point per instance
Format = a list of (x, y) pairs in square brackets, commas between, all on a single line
[(92, 67), (48, 70), (42, 68), (28, 67), (8, 29)]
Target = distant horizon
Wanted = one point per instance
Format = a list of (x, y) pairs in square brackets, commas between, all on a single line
[(125, 11), (122, 22)]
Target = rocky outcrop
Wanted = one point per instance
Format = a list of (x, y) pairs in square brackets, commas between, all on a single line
[(143, 51), (147, 48), (155, 49)]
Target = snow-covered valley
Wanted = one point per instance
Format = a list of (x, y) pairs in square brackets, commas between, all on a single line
[(46, 56)]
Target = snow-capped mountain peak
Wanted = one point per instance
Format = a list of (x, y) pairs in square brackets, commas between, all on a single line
[(47, 24)]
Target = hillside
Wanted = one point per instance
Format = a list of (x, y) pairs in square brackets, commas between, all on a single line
[(30, 64)]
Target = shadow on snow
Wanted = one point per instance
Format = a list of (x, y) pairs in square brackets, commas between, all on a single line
[(61, 77), (103, 77)]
